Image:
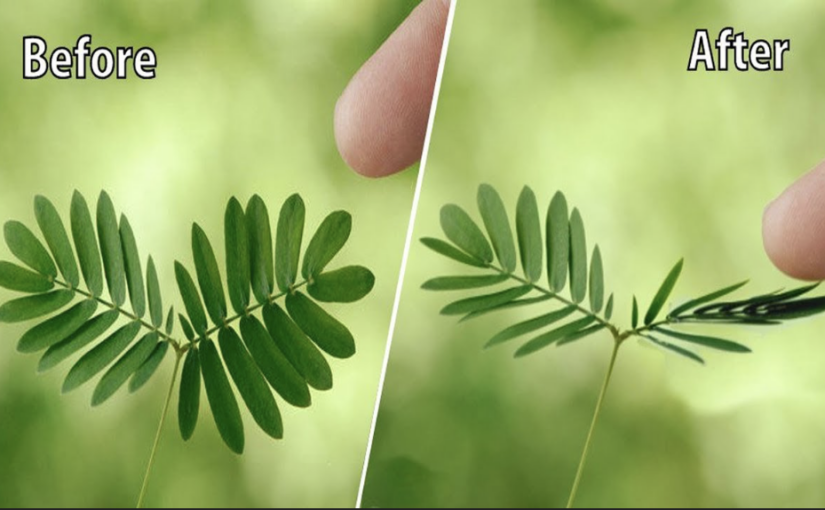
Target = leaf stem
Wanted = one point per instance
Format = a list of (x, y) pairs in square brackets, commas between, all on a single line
[(163, 415), (599, 404)]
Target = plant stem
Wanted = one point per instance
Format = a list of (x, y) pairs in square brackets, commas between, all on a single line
[(160, 429), (599, 404)]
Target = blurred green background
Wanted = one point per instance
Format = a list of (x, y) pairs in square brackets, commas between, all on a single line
[(592, 97), (242, 104)]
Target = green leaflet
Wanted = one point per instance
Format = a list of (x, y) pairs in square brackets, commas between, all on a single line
[(782, 298), (464, 282), (260, 249), (528, 326), (675, 348), (505, 306), (14, 277), (707, 298), (28, 249), (297, 348), (251, 384), (225, 409), (793, 309), (663, 293), (100, 356), (191, 299), (134, 272), (328, 240), (23, 309), (578, 258), (57, 328), (464, 233), (188, 332), (448, 250), (555, 335), (323, 329), (345, 285), (707, 341), (558, 242), (55, 234), (110, 246), (634, 317), (238, 272), (155, 299), (170, 321), (209, 276), (596, 281), (288, 242), (498, 226), (87, 333), (85, 241), (189, 396), (477, 303), (277, 370), (580, 334), (608, 309), (120, 372), (528, 228), (149, 367)]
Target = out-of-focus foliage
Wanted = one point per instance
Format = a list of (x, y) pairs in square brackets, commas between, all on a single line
[(593, 97), (242, 104)]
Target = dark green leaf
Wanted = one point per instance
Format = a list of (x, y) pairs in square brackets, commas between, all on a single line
[(731, 306), (328, 240), (14, 277), (663, 293), (578, 335), (450, 251), (238, 272), (555, 335), (578, 258), (85, 241), (464, 233), (155, 299), (280, 373), (528, 228), (191, 299), (323, 329), (260, 249), (778, 299), (707, 298), (134, 272), (188, 332), (110, 247), (506, 306), (101, 356), (209, 276), (251, 384), (464, 282), (558, 242), (723, 318), (634, 318), (189, 398), (596, 281), (87, 333), (529, 326), (608, 309), (288, 242), (708, 341), (675, 348), (28, 249), (345, 285), (55, 234), (57, 328), (170, 320), (794, 309), (149, 367), (297, 348), (120, 372), (498, 226), (23, 309), (221, 399), (473, 304)]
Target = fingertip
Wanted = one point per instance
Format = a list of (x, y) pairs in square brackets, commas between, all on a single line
[(793, 227)]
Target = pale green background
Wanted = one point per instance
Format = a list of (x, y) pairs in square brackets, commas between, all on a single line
[(592, 97), (242, 104)]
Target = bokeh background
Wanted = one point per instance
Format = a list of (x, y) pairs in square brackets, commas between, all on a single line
[(242, 104), (592, 97)]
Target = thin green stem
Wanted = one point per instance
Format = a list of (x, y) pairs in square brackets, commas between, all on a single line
[(599, 405), (160, 429)]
